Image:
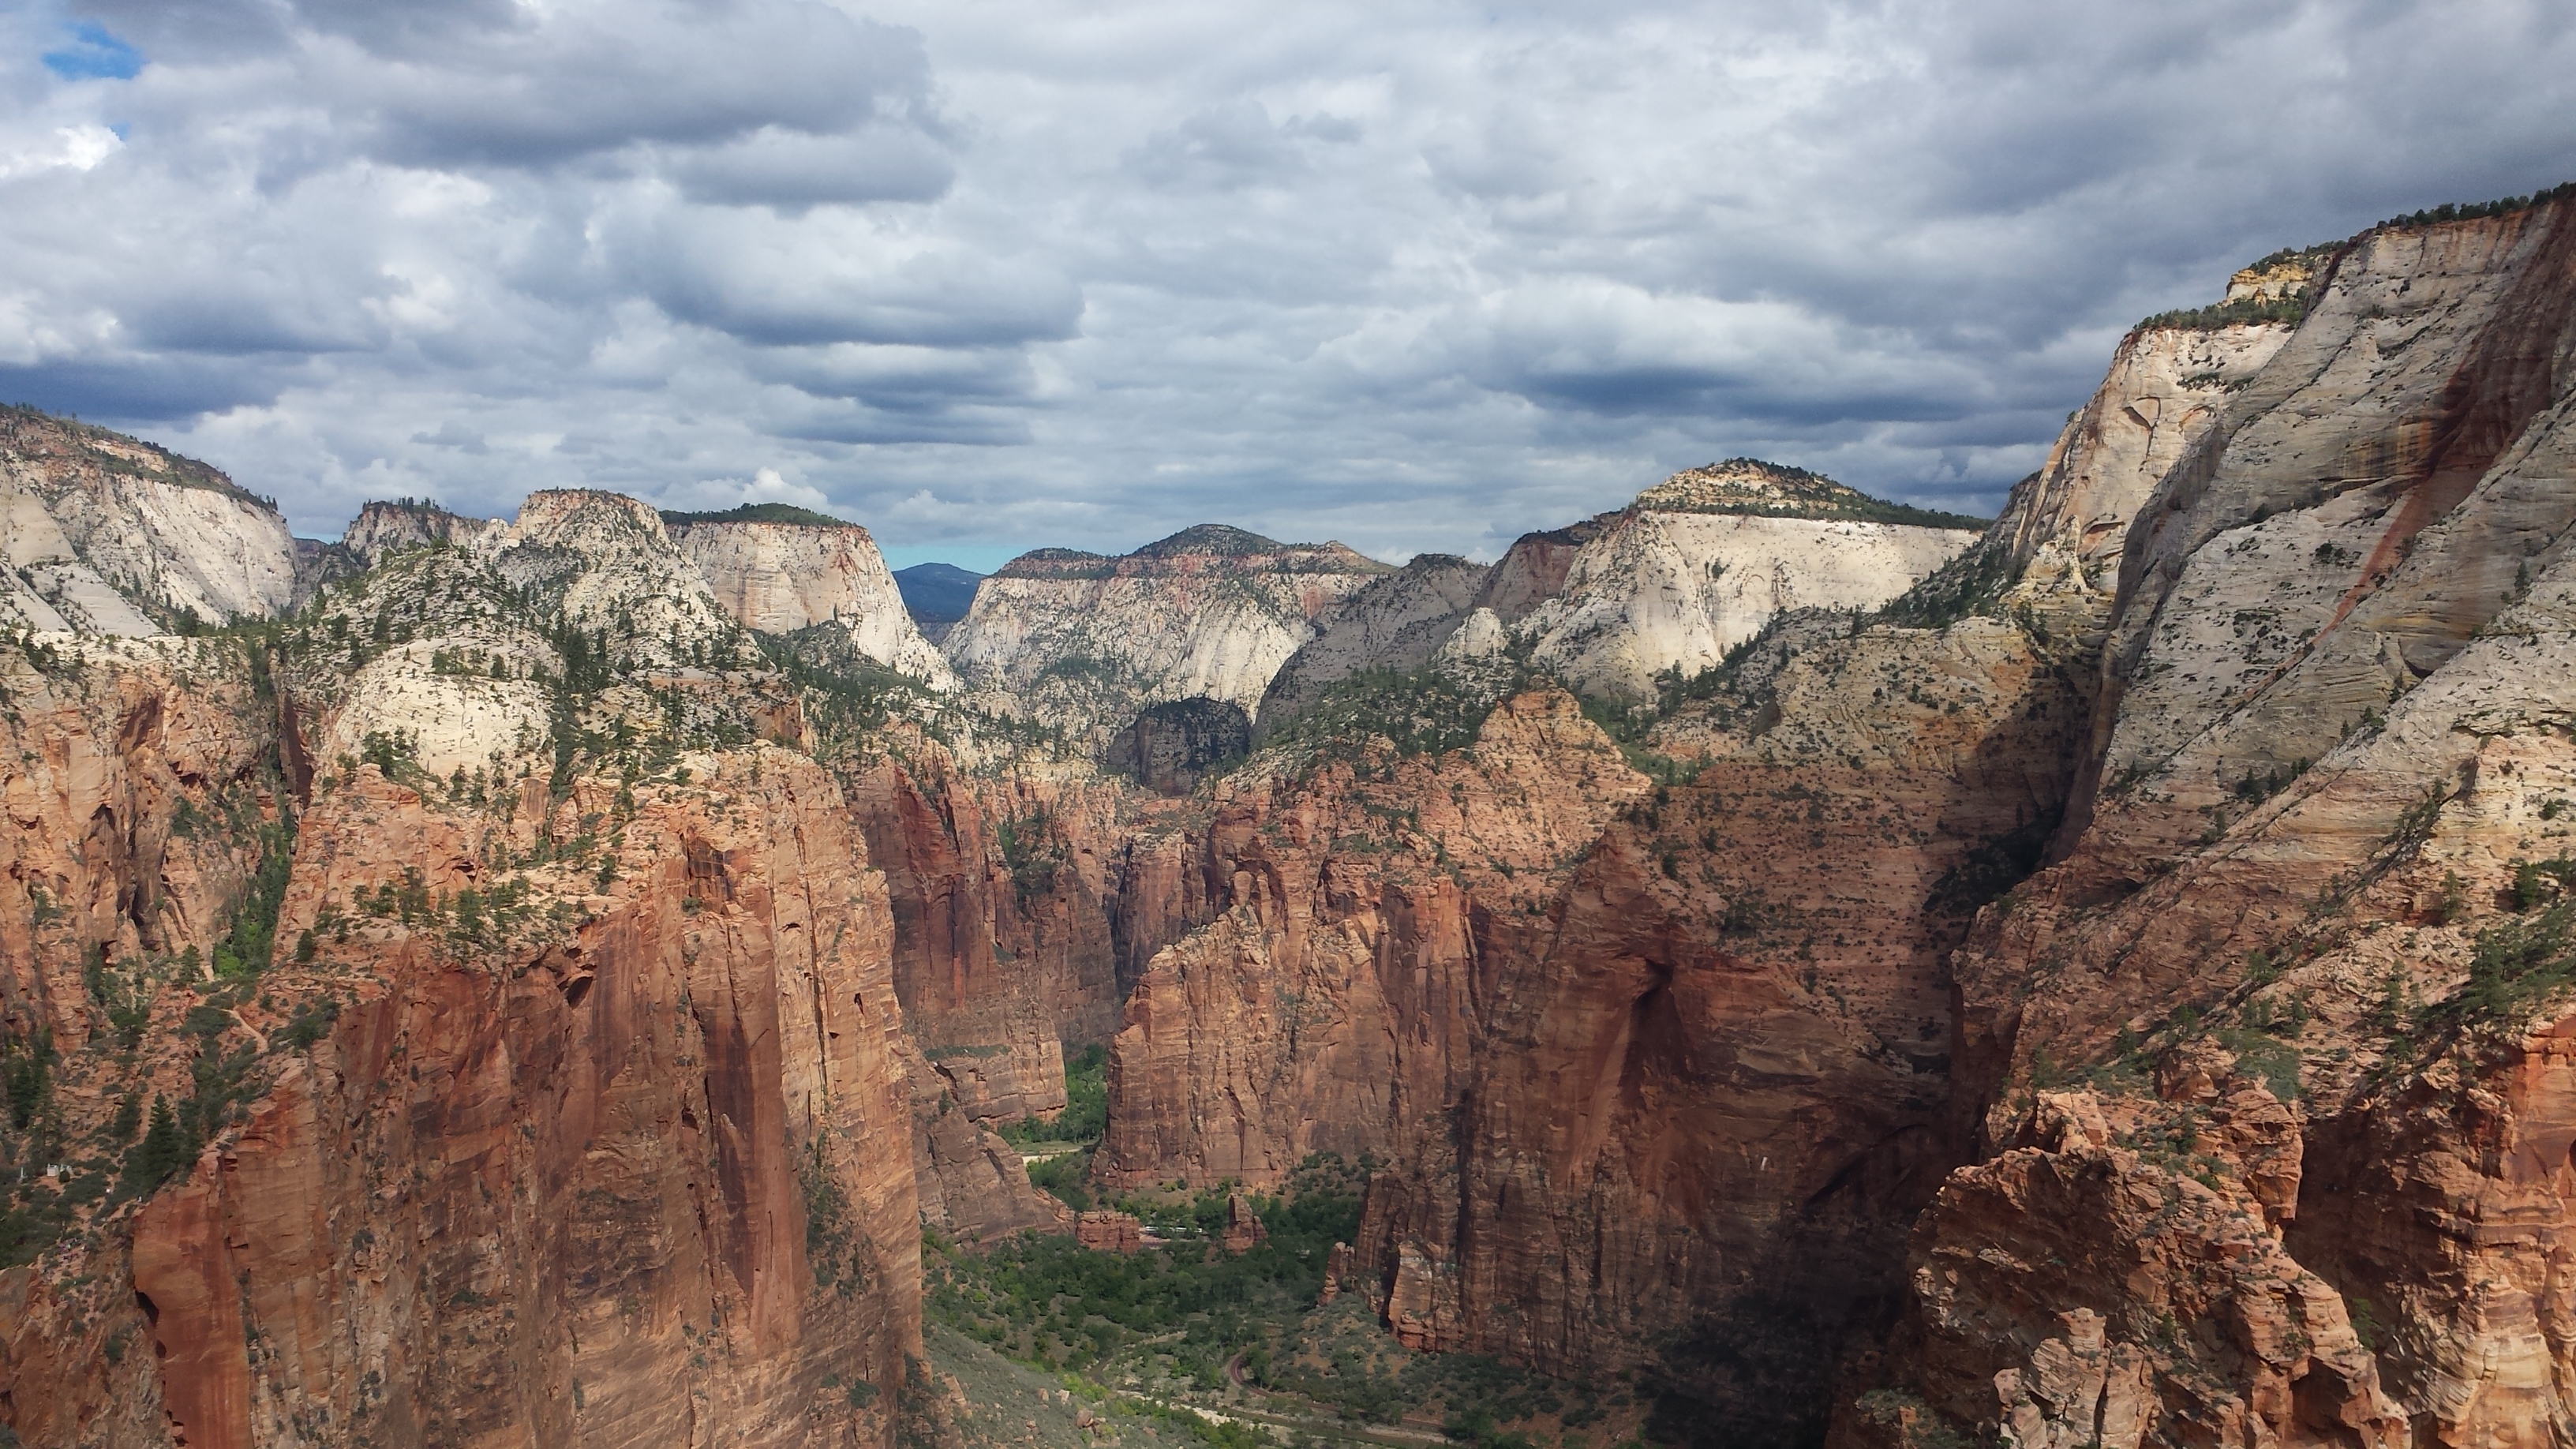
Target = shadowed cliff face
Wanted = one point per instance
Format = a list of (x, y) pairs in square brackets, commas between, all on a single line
[(504, 1004), (2331, 734), (630, 1167), (1636, 1053)]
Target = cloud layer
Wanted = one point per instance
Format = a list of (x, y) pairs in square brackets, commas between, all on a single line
[(992, 275)]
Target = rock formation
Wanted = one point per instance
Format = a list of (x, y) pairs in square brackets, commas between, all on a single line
[(1168, 748), (779, 575), (1084, 641), (2098, 983), (107, 534), (1397, 622), (1703, 560)]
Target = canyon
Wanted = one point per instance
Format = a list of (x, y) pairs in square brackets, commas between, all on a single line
[(1852, 975)]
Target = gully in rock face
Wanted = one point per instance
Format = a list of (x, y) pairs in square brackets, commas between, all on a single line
[(1761, 965)]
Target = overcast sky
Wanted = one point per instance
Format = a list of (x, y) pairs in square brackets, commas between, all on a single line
[(990, 274)]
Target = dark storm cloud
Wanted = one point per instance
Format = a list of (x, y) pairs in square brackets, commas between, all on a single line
[(1016, 273)]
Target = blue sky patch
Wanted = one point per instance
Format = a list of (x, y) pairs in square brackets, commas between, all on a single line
[(94, 54)]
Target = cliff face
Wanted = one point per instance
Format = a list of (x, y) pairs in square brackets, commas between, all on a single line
[(2295, 958), (2165, 390), (571, 1106), (1666, 589), (1371, 898), (1396, 622), (1085, 641), (108, 531), (782, 577), (1003, 949), (1706, 1108), (640, 1176), (383, 529)]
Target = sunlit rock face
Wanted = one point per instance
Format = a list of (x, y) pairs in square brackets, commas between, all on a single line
[(1084, 641), (106, 534), (1702, 561), (782, 577)]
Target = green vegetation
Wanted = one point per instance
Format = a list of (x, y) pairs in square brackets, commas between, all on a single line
[(1418, 711), (251, 941), (1784, 491), (757, 513), (1049, 1301), (1994, 867), (1032, 850), (2290, 307), (1627, 724), (1972, 583), (1185, 1319), (832, 1241), (167, 467), (1086, 1113), (2471, 211), (2518, 963)]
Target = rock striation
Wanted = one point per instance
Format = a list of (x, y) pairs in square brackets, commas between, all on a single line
[(2295, 909), (782, 575), (1703, 560), (108, 534), (1084, 641)]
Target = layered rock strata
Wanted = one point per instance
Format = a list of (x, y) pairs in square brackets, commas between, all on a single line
[(782, 577), (1084, 641), (105, 533), (1704, 560), (2297, 948)]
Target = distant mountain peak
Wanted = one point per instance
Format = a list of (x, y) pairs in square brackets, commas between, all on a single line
[(1766, 489), (1215, 538), (787, 513)]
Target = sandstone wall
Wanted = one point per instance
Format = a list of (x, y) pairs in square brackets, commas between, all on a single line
[(779, 578), (1661, 591)]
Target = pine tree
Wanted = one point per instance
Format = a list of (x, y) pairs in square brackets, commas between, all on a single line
[(163, 1151)]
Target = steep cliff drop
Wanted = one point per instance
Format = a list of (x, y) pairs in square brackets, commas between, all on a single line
[(1760, 966)]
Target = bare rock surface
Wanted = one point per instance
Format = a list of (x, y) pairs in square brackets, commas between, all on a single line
[(1705, 559), (1084, 641), (782, 577), (106, 531)]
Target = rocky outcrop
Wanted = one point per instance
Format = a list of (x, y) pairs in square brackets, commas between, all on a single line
[(105, 533), (1085, 641), (2164, 392), (2076, 1290), (385, 528), (1705, 559), (1709, 1101), (974, 1186), (1244, 1230), (1168, 748), (1003, 953), (661, 1159), (1534, 569), (2325, 750), (1110, 1232), (1396, 622), (782, 577), (1334, 1005)]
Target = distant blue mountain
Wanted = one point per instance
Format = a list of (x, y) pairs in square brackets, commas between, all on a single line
[(937, 593)]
